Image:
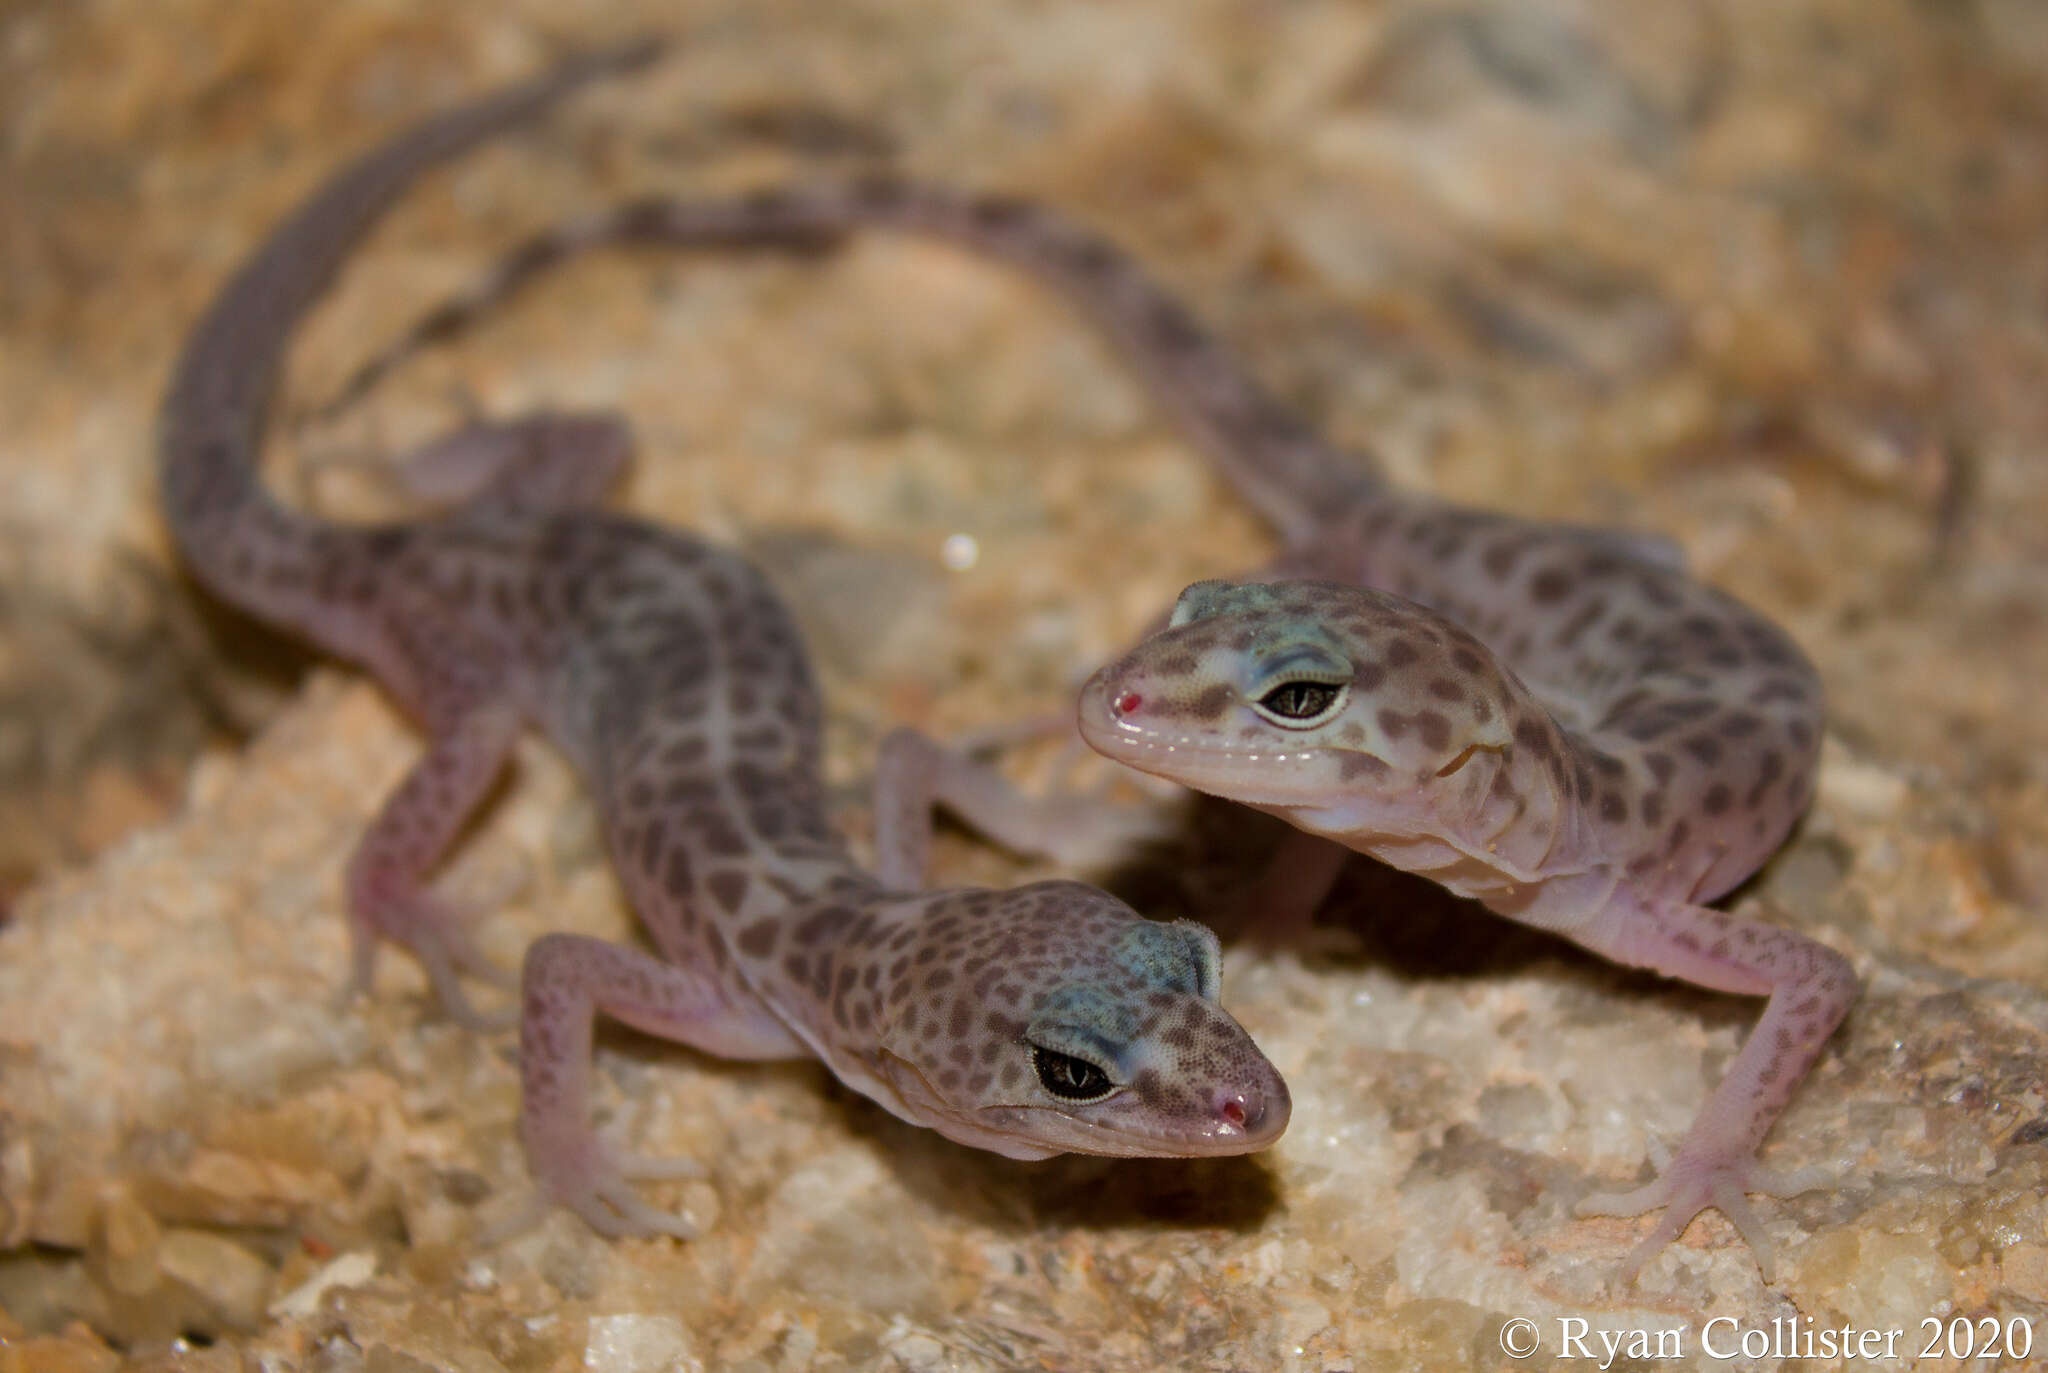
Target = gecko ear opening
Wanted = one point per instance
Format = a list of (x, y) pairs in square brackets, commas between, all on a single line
[(1206, 951)]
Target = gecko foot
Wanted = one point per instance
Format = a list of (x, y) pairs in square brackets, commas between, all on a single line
[(1689, 1184), (1088, 832), (1077, 824), (435, 932), (599, 1188), (913, 774)]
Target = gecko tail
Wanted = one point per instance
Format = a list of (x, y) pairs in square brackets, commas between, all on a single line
[(1293, 476), (238, 540)]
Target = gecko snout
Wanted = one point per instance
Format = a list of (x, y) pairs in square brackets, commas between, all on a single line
[(1244, 1112), (1136, 694), (1252, 1111), (1255, 1113)]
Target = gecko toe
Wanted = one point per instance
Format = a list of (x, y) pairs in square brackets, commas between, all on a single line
[(613, 1208), (1630, 1203), (437, 934), (1684, 1188), (445, 964), (1669, 1228), (1728, 1196)]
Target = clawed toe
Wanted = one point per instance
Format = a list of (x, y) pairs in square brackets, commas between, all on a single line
[(438, 936), (1630, 1203), (614, 1208), (455, 956), (1684, 1188), (447, 963), (1729, 1197), (608, 1201), (1678, 1214), (577, 1169), (609, 1206)]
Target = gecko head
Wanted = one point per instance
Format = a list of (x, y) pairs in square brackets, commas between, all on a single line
[(1335, 705), (1052, 1018)]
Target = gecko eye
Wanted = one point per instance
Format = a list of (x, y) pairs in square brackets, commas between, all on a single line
[(1302, 703), (1069, 1078)]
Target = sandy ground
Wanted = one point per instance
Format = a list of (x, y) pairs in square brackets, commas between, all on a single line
[(1766, 277)]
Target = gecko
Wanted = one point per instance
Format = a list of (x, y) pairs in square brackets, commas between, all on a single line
[(1553, 719), (1041, 1019), (1556, 720)]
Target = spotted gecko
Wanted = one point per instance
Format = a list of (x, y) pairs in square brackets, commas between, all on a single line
[(1556, 720), (1031, 1021)]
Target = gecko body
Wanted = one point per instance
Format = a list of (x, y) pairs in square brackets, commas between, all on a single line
[(1554, 719), (1632, 723), (1030, 1021)]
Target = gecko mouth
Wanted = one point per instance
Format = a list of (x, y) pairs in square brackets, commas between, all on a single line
[(1198, 760), (1239, 1122)]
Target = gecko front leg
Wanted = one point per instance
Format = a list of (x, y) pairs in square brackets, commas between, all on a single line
[(1810, 988), (569, 979)]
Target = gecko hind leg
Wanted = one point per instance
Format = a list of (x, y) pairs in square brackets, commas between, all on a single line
[(543, 462), (1810, 987), (536, 463), (567, 980), (386, 882)]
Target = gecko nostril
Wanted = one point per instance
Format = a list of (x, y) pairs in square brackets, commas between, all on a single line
[(1232, 1110), (1126, 702)]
